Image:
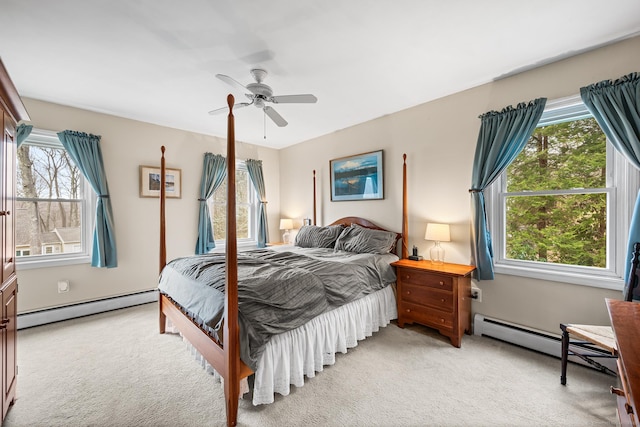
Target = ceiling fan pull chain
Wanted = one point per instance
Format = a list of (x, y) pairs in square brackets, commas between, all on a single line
[(264, 117)]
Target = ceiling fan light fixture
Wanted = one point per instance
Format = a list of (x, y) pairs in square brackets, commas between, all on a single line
[(260, 89), (260, 94)]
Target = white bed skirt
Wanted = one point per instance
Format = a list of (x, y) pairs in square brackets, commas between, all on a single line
[(290, 356)]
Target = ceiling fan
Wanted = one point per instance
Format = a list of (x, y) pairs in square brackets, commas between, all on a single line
[(259, 94)]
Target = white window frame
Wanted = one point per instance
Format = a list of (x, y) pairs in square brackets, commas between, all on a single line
[(46, 138), (252, 240), (623, 183)]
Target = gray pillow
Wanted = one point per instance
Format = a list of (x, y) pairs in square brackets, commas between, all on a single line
[(365, 240), (313, 236)]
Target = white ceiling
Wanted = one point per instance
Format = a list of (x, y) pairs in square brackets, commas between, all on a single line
[(156, 60)]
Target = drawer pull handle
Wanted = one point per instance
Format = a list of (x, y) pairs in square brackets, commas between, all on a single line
[(408, 292), (442, 299), (408, 310), (442, 320), (441, 283)]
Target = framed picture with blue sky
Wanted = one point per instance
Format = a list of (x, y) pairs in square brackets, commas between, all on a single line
[(358, 177)]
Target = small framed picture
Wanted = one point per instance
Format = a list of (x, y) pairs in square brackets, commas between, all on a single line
[(150, 182)]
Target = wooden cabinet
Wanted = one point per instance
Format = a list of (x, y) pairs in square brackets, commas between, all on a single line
[(8, 325), (13, 111), (7, 202), (438, 296), (625, 318)]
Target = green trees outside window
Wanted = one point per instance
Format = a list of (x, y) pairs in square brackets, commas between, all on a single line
[(245, 207), (556, 196)]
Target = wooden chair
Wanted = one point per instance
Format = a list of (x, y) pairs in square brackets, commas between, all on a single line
[(593, 342)]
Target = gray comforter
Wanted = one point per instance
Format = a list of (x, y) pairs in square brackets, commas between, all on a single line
[(277, 290)]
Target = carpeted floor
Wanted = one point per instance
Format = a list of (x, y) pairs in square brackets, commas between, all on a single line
[(114, 369)]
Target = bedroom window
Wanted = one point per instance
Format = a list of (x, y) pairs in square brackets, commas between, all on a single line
[(561, 210), (53, 205), (246, 208)]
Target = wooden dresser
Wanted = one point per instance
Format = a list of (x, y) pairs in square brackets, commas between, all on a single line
[(12, 112), (625, 321), (438, 296)]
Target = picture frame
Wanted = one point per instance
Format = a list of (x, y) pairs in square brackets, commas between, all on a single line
[(357, 177), (150, 182)]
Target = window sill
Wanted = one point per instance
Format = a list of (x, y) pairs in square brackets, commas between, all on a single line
[(242, 246), (29, 264), (597, 279)]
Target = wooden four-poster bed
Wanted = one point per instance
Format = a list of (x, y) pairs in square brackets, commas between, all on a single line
[(222, 348)]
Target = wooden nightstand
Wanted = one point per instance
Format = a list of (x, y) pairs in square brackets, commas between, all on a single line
[(438, 296)]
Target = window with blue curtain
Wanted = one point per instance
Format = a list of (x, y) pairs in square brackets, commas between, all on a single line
[(556, 212), (54, 204), (246, 209)]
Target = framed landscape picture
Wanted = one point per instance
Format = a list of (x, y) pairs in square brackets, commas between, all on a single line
[(358, 177), (150, 182)]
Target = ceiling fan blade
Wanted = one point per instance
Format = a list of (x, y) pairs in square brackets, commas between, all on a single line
[(273, 115), (302, 99), (226, 109), (231, 82)]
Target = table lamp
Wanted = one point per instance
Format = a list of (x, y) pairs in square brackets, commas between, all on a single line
[(438, 233), (286, 225)]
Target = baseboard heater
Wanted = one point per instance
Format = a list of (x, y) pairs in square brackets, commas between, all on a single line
[(57, 314), (523, 336)]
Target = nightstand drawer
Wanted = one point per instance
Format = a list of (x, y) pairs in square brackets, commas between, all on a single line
[(427, 296), (424, 278), (435, 318)]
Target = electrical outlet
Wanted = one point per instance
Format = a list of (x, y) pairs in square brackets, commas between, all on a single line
[(476, 294), (63, 286)]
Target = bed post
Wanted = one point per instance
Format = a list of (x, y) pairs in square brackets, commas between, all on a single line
[(314, 198), (163, 242), (231, 337), (405, 224)]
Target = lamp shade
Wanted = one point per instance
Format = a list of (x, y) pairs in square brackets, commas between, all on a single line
[(437, 232), (286, 224)]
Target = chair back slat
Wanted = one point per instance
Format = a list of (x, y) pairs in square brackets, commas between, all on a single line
[(632, 291)]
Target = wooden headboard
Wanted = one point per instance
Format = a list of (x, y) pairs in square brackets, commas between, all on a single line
[(348, 220)]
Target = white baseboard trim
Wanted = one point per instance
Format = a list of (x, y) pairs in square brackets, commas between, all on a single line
[(51, 315), (523, 336)]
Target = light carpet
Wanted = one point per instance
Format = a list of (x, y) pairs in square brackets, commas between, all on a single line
[(115, 369)]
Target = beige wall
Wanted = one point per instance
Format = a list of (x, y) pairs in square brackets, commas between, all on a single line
[(126, 144), (439, 139)]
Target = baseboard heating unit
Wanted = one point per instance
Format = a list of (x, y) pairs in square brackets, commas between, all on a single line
[(57, 314), (523, 336)]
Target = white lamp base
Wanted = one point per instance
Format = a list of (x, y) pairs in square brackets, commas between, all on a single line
[(437, 254)]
